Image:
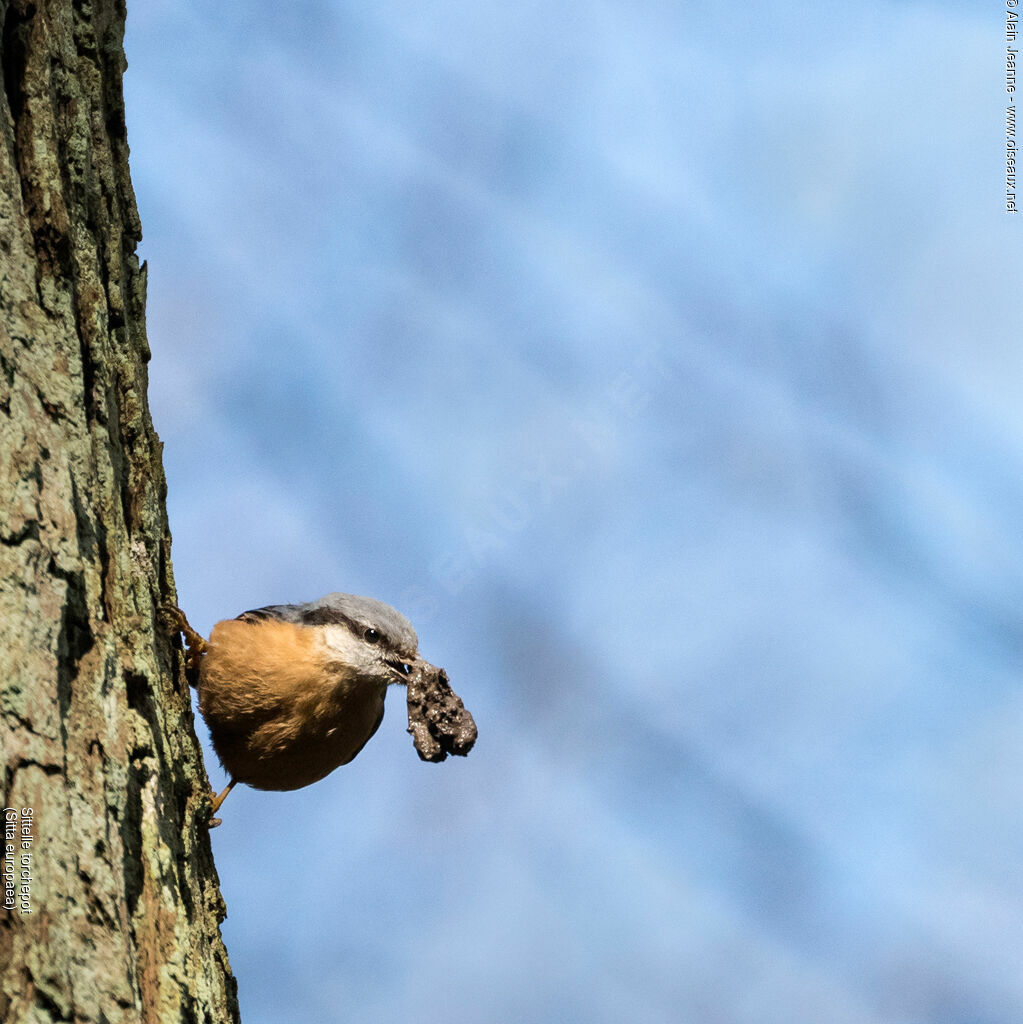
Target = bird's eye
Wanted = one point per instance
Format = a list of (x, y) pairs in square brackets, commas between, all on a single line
[(371, 636), (406, 668)]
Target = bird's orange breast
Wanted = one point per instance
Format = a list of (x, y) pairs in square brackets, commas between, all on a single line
[(281, 712)]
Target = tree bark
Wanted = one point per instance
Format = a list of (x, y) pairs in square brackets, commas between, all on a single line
[(115, 908)]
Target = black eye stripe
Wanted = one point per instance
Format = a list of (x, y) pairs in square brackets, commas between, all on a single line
[(333, 617)]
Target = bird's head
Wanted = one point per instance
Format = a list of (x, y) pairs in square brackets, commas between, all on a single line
[(371, 638)]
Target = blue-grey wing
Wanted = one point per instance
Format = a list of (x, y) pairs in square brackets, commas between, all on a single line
[(357, 613), (280, 612), (324, 612)]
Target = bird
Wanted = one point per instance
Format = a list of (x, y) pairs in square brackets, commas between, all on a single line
[(292, 691)]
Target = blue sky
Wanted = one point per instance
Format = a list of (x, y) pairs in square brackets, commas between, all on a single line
[(658, 362)]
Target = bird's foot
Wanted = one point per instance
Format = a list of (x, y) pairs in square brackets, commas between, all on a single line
[(195, 645), (216, 800)]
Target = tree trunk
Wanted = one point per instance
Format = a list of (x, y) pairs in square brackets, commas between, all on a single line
[(111, 906)]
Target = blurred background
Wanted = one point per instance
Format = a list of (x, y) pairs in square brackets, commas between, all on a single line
[(658, 362)]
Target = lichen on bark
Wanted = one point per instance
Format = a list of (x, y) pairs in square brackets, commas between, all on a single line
[(96, 730)]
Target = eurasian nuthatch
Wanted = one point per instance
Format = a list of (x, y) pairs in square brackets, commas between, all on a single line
[(292, 691)]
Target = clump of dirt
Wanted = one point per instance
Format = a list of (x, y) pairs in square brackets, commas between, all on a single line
[(437, 718)]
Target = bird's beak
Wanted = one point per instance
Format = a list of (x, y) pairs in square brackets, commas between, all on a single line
[(403, 668), (407, 669)]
